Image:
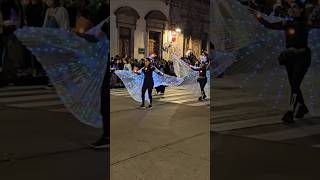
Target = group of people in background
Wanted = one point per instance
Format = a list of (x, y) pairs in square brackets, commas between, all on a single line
[(131, 64), (280, 8), (153, 64), (16, 61)]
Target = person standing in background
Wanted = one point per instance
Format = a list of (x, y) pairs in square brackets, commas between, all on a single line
[(34, 12), (11, 50), (56, 16)]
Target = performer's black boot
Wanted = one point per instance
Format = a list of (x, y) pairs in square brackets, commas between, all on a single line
[(204, 95), (288, 117), (142, 106), (303, 110)]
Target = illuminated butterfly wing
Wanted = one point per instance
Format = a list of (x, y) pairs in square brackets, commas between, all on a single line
[(75, 67), (183, 70), (134, 82)]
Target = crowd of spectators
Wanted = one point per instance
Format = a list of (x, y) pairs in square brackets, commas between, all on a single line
[(165, 66), (280, 8)]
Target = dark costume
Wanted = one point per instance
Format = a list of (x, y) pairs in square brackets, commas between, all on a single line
[(147, 83), (202, 80), (296, 58)]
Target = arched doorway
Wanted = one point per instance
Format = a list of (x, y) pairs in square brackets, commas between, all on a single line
[(156, 23), (126, 20)]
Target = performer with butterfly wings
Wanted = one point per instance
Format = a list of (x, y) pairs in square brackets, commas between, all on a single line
[(148, 81), (139, 82), (297, 56)]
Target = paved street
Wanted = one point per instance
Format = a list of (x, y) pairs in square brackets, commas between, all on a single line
[(174, 95), (171, 141), (41, 140), (249, 140)]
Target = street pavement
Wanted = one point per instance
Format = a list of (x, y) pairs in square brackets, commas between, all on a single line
[(248, 140), (41, 140), (175, 95), (168, 142)]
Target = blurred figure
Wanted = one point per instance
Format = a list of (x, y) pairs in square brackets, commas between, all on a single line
[(11, 50), (127, 65), (34, 12), (103, 11), (56, 16), (84, 19), (279, 9)]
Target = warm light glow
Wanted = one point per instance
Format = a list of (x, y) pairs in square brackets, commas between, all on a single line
[(292, 31), (178, 30)]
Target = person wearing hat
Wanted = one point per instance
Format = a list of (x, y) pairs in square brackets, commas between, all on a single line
[(297, 56)]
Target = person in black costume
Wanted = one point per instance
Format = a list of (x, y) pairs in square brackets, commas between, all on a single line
[(104, 141), (202, 79), (148, 82), (12, 18), (297, 56)]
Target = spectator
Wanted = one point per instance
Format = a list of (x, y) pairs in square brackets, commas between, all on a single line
[(34, 13), (127, 65), (11, 50), (56, 15)]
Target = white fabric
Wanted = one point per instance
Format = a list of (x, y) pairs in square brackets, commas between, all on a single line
[(61, 15)]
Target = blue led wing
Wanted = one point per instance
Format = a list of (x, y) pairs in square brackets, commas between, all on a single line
[(75, 67)]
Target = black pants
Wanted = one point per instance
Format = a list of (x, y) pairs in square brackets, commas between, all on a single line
[(105, 104), (1, 49), (147, 85), (202, 81), (297, 67)]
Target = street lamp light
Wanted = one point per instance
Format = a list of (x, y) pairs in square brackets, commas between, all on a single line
[(178, 30)]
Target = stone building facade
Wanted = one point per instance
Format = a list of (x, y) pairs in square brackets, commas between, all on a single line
[(140, 28)]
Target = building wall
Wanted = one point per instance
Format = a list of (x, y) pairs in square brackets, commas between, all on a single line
[(193, 17), (140, 35)]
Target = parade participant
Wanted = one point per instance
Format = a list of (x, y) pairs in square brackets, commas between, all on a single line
[(297, 56), (139, 82), (192, 77), (202, 79), (75, 66), (161, 66), (148, 82), (104, 141)]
